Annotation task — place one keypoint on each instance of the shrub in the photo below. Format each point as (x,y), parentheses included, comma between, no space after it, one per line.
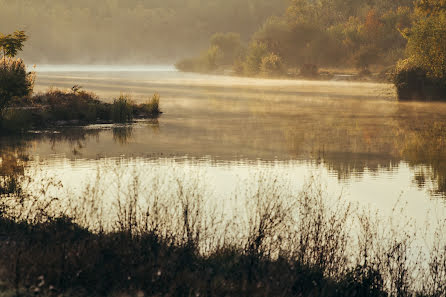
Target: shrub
(15,81)
(413,83)
(213,58)
(229,44)
(256,52)
(122,109)
(58,105)
(272,65)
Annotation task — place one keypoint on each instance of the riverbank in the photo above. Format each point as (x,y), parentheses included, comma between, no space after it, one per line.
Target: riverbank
(378,74)
(59,258)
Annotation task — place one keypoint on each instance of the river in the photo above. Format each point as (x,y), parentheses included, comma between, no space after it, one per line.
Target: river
(354,138)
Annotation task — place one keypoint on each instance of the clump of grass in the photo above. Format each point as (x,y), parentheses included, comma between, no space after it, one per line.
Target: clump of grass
(122,109)
(152,107)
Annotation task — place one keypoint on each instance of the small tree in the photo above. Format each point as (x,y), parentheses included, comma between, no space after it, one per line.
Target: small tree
(15,81)
(11,44)
(427,38)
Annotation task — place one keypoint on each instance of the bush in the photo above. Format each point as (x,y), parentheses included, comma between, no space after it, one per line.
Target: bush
(15,81)
(413,83)
(122,109)
(58,105)
(256,52)
(229,44)
(272,65)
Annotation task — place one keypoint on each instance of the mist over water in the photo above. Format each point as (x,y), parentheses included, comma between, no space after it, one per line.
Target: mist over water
(354,137)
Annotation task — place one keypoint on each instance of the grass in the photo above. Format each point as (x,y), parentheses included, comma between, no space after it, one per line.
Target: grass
(75,107)
(172,243)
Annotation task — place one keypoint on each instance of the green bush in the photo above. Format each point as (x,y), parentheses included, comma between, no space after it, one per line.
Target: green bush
(256,52)
(122,109)
(15,81)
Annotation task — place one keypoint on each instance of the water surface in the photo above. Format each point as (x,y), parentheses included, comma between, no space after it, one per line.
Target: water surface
(354,137)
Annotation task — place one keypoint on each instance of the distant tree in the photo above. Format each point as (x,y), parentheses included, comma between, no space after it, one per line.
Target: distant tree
(427,37)
(423,74)
(256,52)
(229,44)
(11,44)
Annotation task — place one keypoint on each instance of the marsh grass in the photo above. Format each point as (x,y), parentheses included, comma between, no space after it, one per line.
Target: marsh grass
(122,109)
(167,237)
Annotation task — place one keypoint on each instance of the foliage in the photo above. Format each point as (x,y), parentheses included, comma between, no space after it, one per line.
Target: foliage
(298,245)
(15,81)
(212,58)
(413,82)
(422,75)
(272,65)
(256,52)
(72,107)
(329,33)
(11,44)
(427,39)
(229,45)
(68,106)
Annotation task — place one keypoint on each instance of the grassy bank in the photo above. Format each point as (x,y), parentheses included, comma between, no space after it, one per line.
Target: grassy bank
(60,257)
(75,107)
(170,243)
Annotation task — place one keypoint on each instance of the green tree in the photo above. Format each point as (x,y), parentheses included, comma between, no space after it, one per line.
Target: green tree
(15,81)
(423,74)
(11,44)
(427,38)
(256,52)
(229,45)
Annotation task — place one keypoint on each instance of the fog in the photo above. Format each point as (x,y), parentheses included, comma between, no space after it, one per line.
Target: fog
(128,31)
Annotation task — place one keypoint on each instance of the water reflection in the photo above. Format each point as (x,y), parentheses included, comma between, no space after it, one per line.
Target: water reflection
(122,134)
(351,129)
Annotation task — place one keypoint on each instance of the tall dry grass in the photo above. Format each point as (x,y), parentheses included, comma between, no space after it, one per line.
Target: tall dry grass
(168,236)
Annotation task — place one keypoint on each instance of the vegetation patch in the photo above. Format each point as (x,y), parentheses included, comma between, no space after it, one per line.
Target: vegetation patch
(422,76)
(75,107)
